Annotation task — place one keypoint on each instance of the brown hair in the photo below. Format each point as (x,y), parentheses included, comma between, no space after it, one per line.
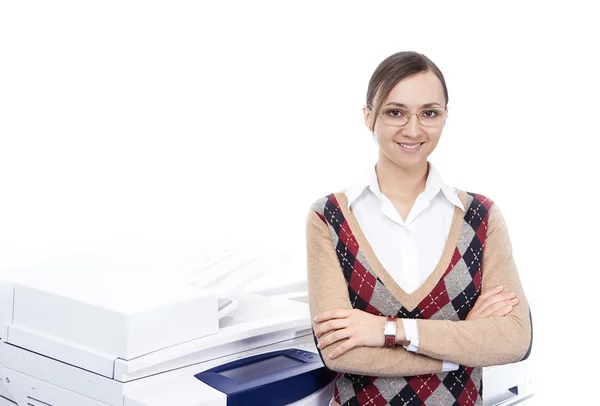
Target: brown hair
(392,70)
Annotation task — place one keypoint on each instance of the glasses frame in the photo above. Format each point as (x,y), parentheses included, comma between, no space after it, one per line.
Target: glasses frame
(410,114)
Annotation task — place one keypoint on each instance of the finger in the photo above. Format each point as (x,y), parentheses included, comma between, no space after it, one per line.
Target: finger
(482,298)
(503,311)
(332,314)
(334,324)
(497,298)
(333,337)
(492,292)
(488,311)
(499,305)
(342,348)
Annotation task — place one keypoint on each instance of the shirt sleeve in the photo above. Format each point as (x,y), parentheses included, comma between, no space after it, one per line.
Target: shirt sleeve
(412,334)
(327,290)
(490,341)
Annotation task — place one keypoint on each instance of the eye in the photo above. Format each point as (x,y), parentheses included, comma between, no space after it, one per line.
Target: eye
(430,113)
(395,113)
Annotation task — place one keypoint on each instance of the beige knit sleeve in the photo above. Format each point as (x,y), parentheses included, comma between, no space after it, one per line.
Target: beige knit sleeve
(327,290)
(491,341)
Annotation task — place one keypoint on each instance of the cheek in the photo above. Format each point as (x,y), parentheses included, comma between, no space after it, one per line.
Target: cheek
(384,139)
(385,133)
(434,136)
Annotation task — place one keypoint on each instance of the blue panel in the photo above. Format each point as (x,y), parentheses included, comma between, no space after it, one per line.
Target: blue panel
(271,379)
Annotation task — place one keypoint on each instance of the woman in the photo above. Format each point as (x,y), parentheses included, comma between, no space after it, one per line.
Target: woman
(412,283)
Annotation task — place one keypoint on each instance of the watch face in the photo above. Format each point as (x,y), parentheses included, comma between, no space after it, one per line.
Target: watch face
(390,328)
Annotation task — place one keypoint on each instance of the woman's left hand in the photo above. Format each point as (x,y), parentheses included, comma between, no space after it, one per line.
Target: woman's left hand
(362,329)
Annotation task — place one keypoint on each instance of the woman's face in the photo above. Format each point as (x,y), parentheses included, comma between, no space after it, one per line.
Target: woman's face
(415,94)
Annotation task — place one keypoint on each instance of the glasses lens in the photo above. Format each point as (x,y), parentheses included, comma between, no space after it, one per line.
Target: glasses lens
(399,117)
(431,117)
(394,116)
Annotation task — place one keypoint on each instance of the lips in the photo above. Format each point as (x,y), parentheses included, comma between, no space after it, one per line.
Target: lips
(410,147)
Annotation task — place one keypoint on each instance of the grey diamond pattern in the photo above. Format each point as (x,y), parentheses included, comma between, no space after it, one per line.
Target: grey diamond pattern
(457,279)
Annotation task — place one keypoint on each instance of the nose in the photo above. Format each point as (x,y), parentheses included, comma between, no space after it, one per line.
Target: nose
(411,129)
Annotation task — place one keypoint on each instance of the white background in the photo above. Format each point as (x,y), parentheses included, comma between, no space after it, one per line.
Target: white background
(148,128)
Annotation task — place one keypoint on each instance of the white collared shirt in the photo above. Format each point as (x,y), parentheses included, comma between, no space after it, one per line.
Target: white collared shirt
(408,250)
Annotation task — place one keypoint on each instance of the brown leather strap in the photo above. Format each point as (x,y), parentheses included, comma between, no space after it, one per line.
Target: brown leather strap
(390,341)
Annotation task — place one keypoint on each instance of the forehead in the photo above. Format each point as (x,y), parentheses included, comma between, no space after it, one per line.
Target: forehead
(417,90)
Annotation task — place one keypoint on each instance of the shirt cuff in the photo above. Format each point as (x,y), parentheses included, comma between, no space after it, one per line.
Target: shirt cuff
(412,334)
(449,366)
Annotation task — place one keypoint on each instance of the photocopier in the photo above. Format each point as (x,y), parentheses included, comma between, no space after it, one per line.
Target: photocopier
(99,331)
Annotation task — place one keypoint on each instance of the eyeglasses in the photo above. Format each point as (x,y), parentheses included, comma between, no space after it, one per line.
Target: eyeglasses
(398,117)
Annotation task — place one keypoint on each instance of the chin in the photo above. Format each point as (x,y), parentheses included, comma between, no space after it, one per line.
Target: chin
(410,165)
(403,161)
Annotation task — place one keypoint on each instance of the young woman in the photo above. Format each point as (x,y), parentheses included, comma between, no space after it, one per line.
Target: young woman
(412,283)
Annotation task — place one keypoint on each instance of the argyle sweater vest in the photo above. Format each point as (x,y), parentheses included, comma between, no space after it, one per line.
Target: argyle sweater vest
(451,299)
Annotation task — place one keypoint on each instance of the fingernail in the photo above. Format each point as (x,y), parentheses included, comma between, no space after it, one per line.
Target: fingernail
(512,294)
(499,288)
(509,308)
(331,356)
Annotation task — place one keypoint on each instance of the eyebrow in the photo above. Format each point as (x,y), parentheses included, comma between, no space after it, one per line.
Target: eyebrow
(423,106)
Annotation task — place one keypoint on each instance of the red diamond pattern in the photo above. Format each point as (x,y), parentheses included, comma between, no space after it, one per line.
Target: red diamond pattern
(436,300)
(424,385)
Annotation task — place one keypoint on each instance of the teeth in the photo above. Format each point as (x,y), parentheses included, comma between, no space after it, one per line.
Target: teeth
(409,146)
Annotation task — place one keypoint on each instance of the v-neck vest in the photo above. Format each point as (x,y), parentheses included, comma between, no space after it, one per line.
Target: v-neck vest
(448,294)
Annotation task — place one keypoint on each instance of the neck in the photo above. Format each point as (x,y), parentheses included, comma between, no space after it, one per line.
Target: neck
(398,182)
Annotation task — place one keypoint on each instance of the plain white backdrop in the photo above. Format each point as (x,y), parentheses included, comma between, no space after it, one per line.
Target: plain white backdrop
(146,128)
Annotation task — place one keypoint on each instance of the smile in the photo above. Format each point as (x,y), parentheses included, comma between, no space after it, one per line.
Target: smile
(410,148)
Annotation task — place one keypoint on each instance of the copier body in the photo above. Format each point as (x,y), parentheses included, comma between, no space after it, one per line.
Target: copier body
(116,337)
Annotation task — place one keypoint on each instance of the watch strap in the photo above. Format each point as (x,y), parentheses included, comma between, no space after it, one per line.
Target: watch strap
(390,339)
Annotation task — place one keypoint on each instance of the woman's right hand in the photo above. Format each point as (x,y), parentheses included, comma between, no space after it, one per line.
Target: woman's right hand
(493,303)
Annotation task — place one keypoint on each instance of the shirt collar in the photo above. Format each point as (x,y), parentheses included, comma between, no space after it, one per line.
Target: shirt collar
(358,187)
(433,185)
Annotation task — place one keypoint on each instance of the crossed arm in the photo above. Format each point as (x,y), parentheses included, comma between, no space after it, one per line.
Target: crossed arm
(473,342)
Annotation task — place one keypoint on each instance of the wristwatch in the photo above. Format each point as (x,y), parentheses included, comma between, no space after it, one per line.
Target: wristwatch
(389,331)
